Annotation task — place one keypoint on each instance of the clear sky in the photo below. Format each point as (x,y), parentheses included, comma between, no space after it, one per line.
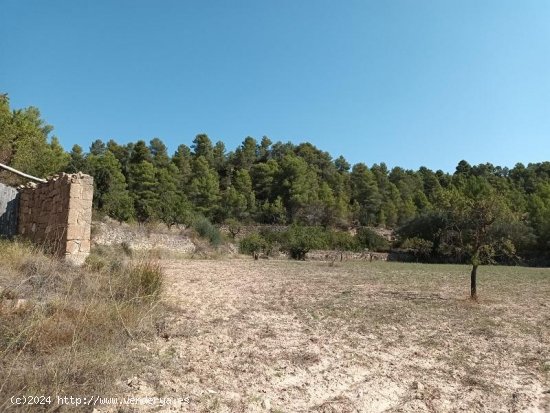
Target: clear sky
(409,83)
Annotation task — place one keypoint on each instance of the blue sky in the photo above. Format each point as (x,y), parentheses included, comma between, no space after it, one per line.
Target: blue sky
(409,83)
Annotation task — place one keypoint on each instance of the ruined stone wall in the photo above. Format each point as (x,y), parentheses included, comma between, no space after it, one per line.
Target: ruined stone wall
(9,201)
(58,215)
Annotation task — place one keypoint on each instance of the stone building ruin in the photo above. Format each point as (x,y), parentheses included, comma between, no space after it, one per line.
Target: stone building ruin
(55,215)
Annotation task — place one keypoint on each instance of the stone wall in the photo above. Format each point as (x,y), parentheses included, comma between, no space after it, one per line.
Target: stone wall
(111,232)
(329,255)
(9,201)
(58,215)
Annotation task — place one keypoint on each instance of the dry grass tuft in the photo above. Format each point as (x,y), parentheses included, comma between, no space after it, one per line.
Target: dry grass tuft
(64,329)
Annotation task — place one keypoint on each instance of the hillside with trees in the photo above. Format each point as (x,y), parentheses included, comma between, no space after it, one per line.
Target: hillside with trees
(480,213)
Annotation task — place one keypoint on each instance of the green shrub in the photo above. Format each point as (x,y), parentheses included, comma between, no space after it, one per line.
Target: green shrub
(299,240)
(342,241)
(253,244)
(207,230)
(367,238)
(420,248)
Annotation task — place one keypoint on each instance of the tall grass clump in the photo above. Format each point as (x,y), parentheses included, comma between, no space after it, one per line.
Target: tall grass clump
(64,330)
(138,281)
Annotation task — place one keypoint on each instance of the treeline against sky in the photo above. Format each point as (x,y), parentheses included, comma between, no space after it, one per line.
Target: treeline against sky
(282,183)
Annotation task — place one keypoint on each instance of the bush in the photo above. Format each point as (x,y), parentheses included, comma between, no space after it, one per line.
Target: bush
(206,230)
(342,241)
(253,244)
(427,226)
(367,238)
(299,240)
(420,248)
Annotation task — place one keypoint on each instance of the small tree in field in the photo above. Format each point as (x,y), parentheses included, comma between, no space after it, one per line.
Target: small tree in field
(299,240)
(253,244)
(234,227)
(342,241)
(477,228)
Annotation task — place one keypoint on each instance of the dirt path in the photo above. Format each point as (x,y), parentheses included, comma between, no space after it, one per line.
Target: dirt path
(281,336)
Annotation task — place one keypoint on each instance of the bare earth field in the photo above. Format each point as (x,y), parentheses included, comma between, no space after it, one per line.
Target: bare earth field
(285,336)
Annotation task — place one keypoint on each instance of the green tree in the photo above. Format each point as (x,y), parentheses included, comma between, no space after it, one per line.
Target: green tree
(142,184)
(539,216)
(253,244)
(364,191)
(140,153)
(202,146)
(111,195)
(122,153)
(172,207)
(341,164)
(97,147)
(182,159)
(239,199)
(32,150)
(299,185)
(273,212)
(77,160)
(474,219)
(246,154)
(263,149)
(342,241)
(204,189)
(159,153)
(7,130)
(299,240)
(265,180)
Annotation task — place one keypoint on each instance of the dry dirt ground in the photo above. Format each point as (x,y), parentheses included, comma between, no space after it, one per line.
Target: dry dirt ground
(284,336)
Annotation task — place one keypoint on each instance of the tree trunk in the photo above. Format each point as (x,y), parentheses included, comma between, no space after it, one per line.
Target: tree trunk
(473,283)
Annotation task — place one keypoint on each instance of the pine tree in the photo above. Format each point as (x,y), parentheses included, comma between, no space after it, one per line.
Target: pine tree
(77,161)
(111,195)
(143,185)
(239,199)
(202,146)
(182,160)
(364,192)
(204,189)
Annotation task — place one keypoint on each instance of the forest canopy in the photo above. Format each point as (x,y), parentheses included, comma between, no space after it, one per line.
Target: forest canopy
(268,182)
